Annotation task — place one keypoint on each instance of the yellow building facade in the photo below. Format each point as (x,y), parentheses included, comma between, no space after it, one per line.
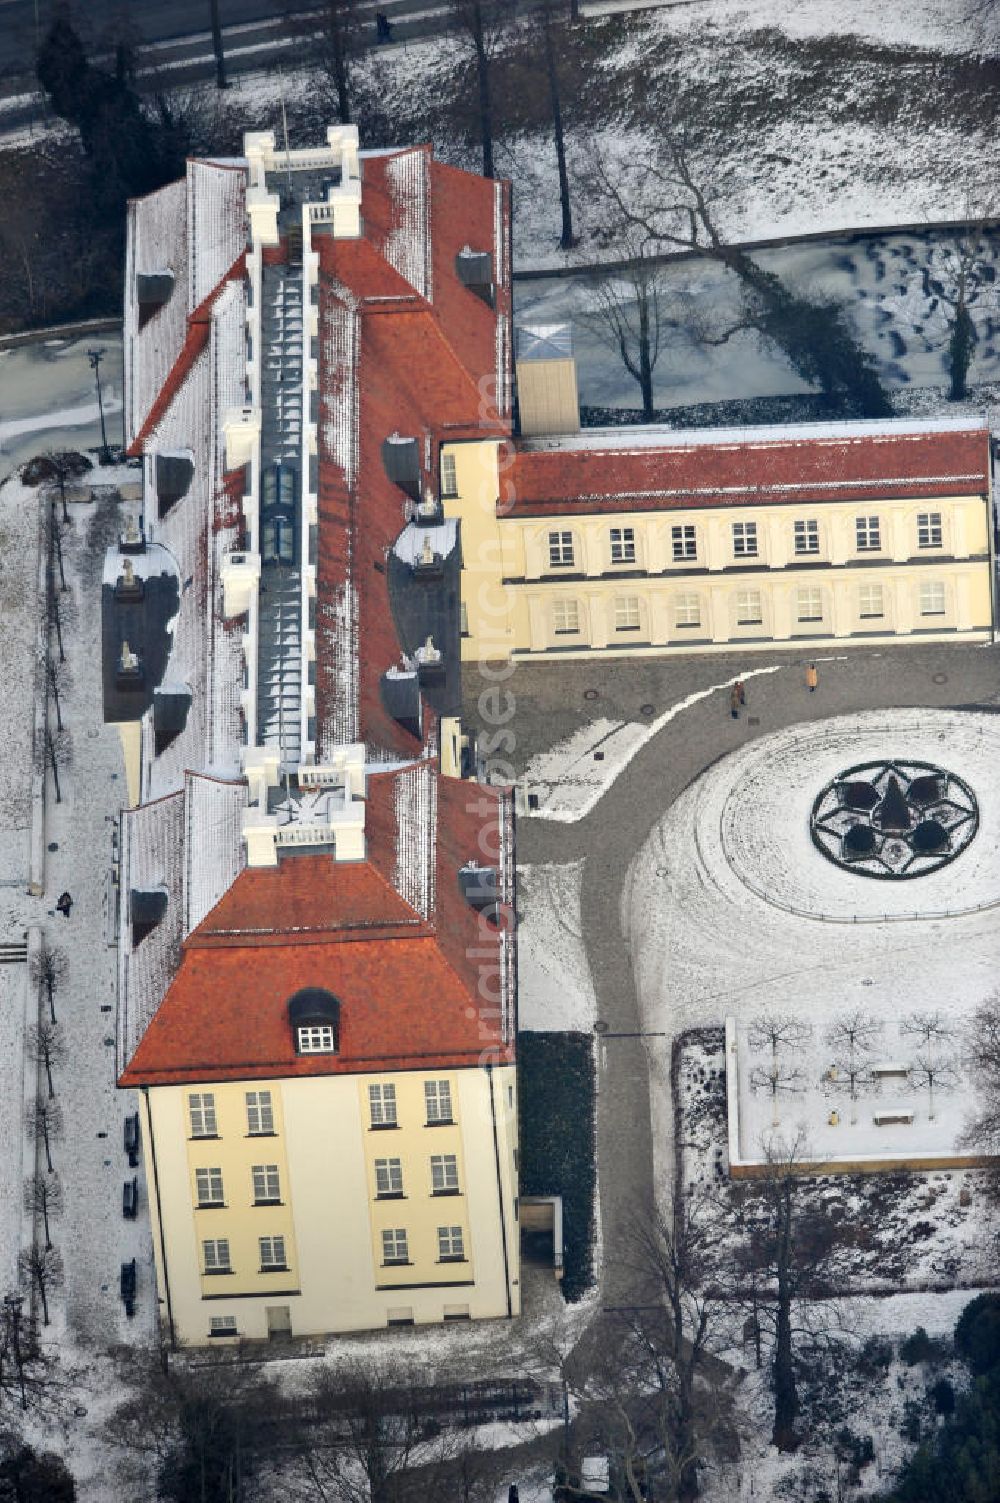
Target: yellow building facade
(335,1203)
(644,574)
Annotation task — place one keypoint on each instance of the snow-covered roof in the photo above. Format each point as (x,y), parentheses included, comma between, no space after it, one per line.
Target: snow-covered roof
(544,342)
(413,540)
(662,436)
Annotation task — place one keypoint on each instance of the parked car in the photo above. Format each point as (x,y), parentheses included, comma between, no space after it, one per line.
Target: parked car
(128,1285)
(130,1198)
(132,1139)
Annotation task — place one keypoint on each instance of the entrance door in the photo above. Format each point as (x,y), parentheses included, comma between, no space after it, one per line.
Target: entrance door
(279,1322)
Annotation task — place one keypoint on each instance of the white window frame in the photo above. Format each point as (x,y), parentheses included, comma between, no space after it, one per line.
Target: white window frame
(388,1177)
(683,542)
(565,609)
(748,601)
(222,1325)
(315,1038)
(208,1183)
(201,1114)
(562,550)
(930,532)
(260,1114)
(382,1105)
(623,545)
(437,1101)
(628,613)
(216,1260)
(395,1245)
(266,1180)
(745,540)
(272,1254)
(806,536)
(812,606)
(868,594)
(451,1244)
(867,534)
(683,605)
(933,590)
(449,476)
(444,1173)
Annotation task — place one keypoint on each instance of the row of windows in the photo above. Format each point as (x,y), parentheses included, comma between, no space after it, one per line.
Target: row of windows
(216,1257)
(745,540)
(265,1182)
(396,1245)
(687,609)
(204,1121)
(444,1175)
(437,1104)
(400,1315)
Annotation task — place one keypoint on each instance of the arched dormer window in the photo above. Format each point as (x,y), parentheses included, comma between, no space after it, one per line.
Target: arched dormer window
(314,1015)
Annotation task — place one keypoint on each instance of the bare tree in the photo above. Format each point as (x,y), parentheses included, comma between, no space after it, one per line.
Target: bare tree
(43,1197)
(46,1047)
(629,313)
(852,1038)
(566,237)
(29,1374)
(777,1031)
(789,1247)
(338,38)
(42,1267)
(55,751)
(48,969)
(481,21)
(55,546)
(668,196)
(57,681)
(221,82)
(43,1119)
(778,1080)
(982,1045)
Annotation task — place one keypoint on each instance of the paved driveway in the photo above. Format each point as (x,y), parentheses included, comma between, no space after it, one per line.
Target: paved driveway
(550,703)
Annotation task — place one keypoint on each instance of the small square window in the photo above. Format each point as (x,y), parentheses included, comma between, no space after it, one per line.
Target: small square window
(209,1183)
(809,604)
(201,1107)
(806,537)
(437,1099)
(272,1254)
(260,1113)
(627,613)
(316,1039)
(748,608)
(266,1184)
(382,1105)
(565,617)
(215,1252)
(449,479)
(444,1173)
(745,539)
(388,1176)
(560,550)
(684,542)
(623,545)
(687,610)
(868,534)
(932,598)
(929,529)
(870,602)
(451,1244)
(394,1245)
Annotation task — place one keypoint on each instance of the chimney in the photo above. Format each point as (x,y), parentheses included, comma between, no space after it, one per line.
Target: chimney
(547,397)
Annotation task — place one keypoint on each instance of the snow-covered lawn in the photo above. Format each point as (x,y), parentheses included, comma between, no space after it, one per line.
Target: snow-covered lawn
(19,554)
(48,400)
(554,987)
(701,901)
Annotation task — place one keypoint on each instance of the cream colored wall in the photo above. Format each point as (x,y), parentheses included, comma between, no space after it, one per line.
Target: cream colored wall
(716,577)
(483,492)
(331,1219)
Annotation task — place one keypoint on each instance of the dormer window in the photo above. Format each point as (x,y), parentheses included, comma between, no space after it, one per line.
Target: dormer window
(316,1040)
(314,1015)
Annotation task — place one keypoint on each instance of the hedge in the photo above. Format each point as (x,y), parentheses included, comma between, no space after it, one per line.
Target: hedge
(556,1093)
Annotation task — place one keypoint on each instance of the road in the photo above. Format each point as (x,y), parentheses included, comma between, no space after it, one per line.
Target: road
(255,32)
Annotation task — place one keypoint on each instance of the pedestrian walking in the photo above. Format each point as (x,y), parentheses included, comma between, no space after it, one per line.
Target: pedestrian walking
(741,691)
(64,903)
(812,678)
(734,701)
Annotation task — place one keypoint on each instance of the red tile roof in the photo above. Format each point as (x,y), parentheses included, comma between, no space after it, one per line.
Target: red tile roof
(422,367)
(796,469)
(415,992)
